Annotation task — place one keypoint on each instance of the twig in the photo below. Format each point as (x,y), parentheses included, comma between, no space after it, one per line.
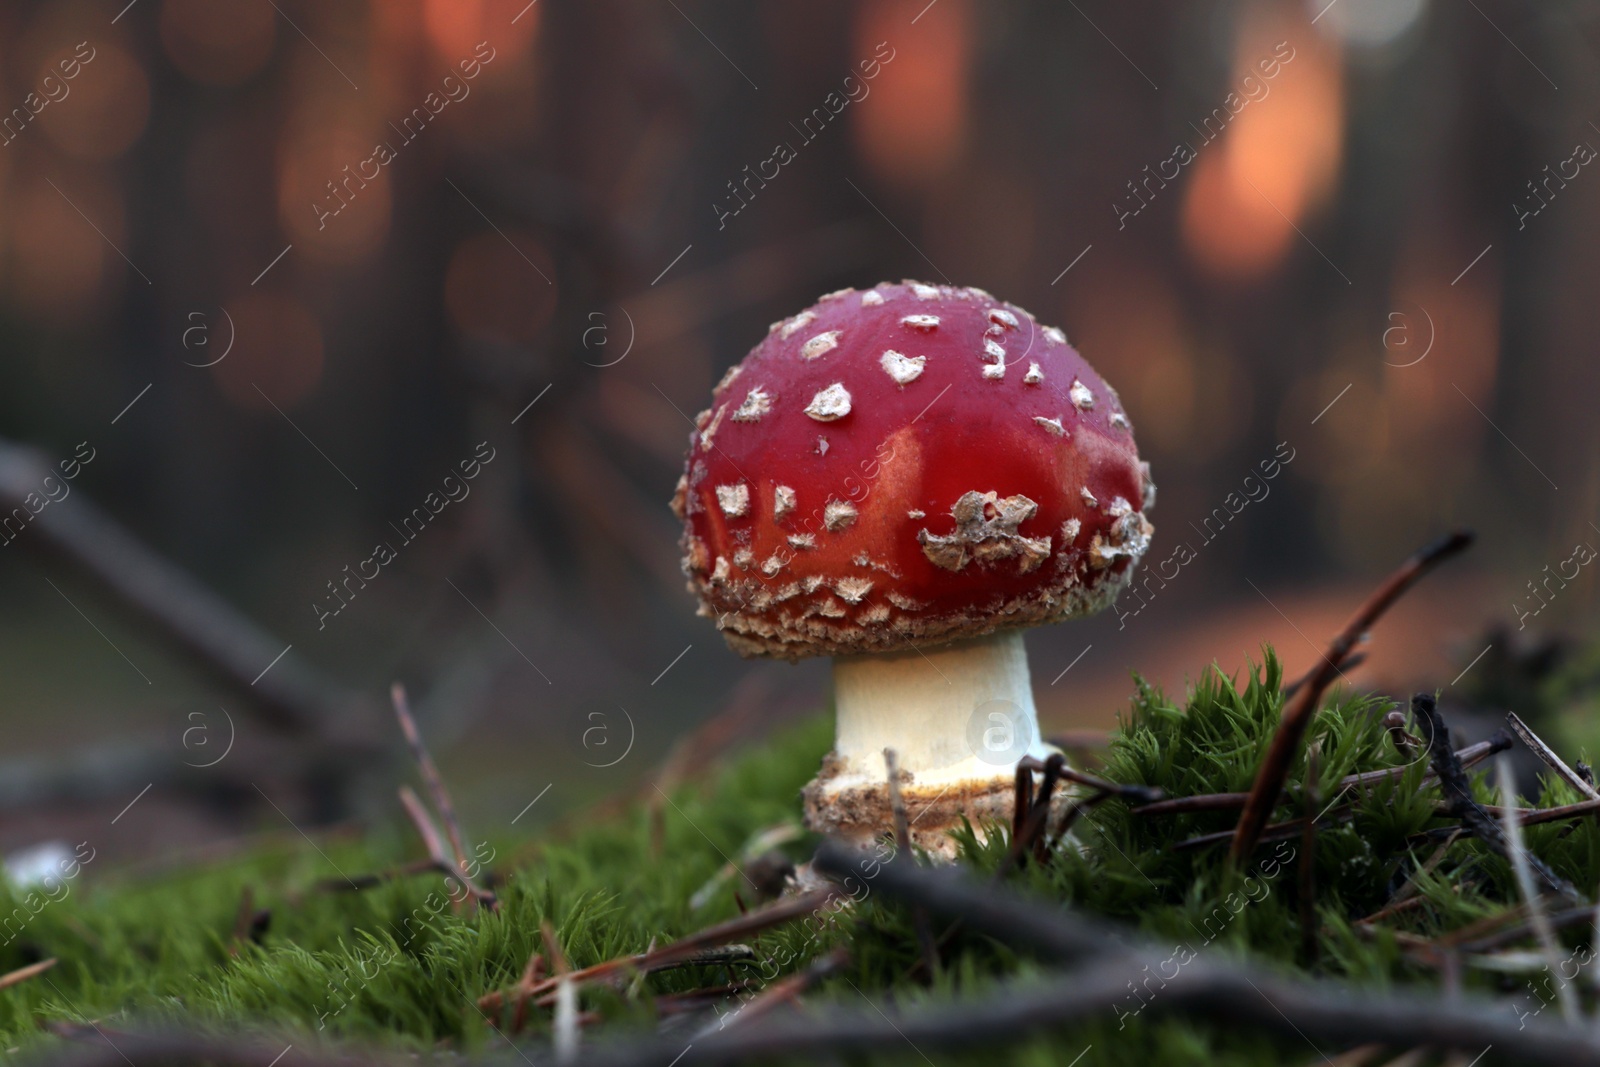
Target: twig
(1278,831)
(1191,805)
(1077,809)
(1022,799)
(541,988)
(441,798)
(357,883)
(1535,816)
(1031,824)
(1212,990)
(430,774)
(691,949)
(785,990)
(1458,792)
(1216,990)
(524,991)
(1561,920)
(692,1000)
(1408,890)
(902,831)
(424,823)
(1035,829)
(1537,916)
(22,974)
(1470,756)
(759,844)
(247,921)
(902,841)
(1548,754)
(1133,794)
(1308,858)
(1351,662)
(1039,818)
(437,859)
(1489,925)
(290,697)
(710,957)
(1302,707)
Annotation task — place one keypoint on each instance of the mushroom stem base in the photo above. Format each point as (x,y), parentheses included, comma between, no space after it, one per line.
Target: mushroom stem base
(958,717)
(860,815)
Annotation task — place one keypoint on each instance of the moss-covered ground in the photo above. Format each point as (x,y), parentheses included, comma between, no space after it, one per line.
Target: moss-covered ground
(398,965)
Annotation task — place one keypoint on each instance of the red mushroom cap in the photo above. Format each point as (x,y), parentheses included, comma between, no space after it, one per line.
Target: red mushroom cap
(908,465)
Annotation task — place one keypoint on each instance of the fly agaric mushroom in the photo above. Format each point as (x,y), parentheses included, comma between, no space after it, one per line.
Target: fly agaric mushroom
(904,478)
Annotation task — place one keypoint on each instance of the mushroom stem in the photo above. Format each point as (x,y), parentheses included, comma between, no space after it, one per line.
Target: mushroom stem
(962,712)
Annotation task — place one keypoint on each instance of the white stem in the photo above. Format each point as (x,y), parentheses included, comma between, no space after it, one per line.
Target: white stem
(962,712)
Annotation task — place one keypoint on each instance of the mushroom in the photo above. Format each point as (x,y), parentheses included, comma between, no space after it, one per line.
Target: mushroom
(955,506)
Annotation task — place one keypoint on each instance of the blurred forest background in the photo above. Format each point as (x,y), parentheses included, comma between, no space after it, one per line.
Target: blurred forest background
(1380,254)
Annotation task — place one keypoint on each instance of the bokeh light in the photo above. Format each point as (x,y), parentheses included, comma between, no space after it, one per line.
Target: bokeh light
(218,42)
(334,192)
(105,108)
(913,125)
(456,27)
(56,262)
(1277,154)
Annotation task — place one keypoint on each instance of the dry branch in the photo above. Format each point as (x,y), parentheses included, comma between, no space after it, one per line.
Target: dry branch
(688,950)
(22,974)
(430,773)
(1548,754)
(290,696)
(1458,792)
(785,990)
(1302,707)
(1470,756)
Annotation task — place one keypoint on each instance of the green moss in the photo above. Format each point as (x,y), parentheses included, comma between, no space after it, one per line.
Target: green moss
(399,965)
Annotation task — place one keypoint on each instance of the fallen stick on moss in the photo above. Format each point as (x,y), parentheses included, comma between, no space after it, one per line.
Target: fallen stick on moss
(22,974)
(1470,756)
(1334,1014)
(356,883)
(1302,707)
(784,991)
(464,868)
(1133,794)
(1031,817)
(1551,759)
(1407,896)
(1218,990)
(291,697)
(1535,816)
(436,858)
(1467,758)
(1326,1012)
(1278,831)
(685,951)
(1351,662)
(1559,920)
(1308,858)
(1522,866)
(1457,790)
